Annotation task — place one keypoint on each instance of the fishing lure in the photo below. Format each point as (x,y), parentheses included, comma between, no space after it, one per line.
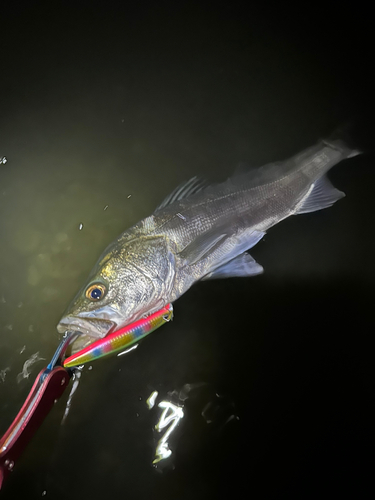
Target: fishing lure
(124,337)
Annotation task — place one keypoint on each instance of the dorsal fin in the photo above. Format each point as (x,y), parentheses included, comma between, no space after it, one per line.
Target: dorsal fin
(192,186)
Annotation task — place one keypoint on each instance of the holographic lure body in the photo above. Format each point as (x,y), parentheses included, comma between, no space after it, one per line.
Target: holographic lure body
(122,338)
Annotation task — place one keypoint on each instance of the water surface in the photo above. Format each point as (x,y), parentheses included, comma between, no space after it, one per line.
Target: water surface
(103,112)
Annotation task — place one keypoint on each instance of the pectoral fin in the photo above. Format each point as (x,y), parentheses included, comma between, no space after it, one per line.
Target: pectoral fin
(230,244)
(242,266)
(202,246)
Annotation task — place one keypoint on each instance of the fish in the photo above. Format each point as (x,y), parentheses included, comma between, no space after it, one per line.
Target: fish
(118,340)
(200,231)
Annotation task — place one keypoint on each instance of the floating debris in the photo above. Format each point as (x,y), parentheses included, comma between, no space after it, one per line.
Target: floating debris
(105,208)
(3,160)
(31,328)
(34,358)
(23,348)
(129,196)
(3,373)
(80,227)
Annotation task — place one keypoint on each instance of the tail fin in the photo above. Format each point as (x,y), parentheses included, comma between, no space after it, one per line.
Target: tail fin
(343,139)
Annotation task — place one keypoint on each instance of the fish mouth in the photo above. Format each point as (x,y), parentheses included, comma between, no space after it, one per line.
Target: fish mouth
(93,327)
(90,329)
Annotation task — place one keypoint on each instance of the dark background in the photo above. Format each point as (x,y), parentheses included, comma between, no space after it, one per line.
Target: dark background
(101,100)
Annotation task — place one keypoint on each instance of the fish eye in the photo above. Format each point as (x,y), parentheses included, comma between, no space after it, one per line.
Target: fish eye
(95,292)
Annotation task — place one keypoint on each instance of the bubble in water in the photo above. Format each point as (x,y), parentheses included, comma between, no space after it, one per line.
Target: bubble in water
(9,464)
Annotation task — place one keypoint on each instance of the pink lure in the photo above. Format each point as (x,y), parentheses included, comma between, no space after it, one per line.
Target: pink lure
(124,337)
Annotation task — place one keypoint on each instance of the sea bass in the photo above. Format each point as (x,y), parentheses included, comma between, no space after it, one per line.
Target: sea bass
(199,232)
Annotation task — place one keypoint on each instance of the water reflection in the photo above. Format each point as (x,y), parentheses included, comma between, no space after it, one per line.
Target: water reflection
(150,401)
(78,142)
(76,380)
(127,350)
(199,405)
(171,414)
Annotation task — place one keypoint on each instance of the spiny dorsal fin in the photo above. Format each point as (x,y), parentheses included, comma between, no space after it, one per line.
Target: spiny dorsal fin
(192,186)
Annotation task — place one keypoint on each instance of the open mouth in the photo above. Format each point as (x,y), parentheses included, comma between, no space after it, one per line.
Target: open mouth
(88,326)
(91,329)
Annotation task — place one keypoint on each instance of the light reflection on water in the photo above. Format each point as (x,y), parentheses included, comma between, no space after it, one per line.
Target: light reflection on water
(207,406)
(77,373)
(170,416)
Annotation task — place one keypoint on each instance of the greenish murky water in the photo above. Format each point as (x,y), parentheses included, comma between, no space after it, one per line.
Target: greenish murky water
(266,382)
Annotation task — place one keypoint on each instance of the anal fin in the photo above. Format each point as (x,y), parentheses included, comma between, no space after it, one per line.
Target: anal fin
(321,195)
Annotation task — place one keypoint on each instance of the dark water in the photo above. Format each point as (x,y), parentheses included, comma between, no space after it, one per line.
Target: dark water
(102,102)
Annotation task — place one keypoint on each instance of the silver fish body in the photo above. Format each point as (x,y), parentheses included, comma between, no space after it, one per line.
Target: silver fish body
(201,233)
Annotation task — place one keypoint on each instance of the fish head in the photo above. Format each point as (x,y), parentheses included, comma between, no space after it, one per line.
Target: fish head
(127,284)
